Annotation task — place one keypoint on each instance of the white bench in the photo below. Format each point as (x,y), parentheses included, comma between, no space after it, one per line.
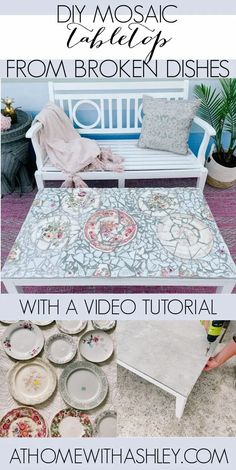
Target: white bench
(118,114)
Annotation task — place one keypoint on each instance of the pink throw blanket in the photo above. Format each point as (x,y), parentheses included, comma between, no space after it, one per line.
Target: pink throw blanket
(68,151)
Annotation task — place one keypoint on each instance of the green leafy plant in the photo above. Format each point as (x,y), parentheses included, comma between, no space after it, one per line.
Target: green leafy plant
(219,110)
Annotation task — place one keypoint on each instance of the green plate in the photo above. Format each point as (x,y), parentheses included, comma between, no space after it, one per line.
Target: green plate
(83,385)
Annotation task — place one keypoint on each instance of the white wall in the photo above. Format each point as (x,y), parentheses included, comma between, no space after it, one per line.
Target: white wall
(32,95)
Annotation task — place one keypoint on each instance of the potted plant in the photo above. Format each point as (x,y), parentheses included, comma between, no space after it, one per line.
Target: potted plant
(218,108)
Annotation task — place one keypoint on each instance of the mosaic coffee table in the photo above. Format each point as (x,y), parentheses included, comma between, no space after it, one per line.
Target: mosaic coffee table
(169,354)
(119,237)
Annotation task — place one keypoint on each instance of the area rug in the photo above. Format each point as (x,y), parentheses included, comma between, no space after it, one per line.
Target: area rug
(221,202)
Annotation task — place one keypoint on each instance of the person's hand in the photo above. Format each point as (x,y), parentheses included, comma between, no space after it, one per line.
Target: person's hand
(206,324)
(211,364)
(226,353)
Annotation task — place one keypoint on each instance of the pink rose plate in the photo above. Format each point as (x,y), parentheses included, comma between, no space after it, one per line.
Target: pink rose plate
(23,422)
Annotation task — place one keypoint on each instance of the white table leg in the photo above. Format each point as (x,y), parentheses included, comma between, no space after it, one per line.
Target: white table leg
(202,179)
(179,406)
(11,287)
(121,182)
(226,289)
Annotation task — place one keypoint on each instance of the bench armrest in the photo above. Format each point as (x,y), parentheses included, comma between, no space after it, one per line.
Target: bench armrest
(34,129)
(205,126)
(33,134)
(209,132)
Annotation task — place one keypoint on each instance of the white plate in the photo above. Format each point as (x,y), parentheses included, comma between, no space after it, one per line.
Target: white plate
(105,424)
(22,340)
(71,327)
(8,322)
(32,382)
(83,385)
(96,346)
(71,423)
(44,322)
(104,325)
(60,348)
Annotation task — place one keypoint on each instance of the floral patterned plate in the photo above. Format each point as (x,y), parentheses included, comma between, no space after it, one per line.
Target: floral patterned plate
(108,229)
(23,340)
(104,325)
(71,423)
(23,422)
(32,382)
(71,327)
(157,202)
(105,424)
(80,200)
(53,233)
(96,346)
(60,348)
(83,385)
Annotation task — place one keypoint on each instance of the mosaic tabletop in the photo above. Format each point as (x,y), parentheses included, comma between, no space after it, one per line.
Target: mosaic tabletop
(144,232)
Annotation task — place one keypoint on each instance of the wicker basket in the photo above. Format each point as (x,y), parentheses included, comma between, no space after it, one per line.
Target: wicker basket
(220,176)
(219,184)
(18,130)
(15,159)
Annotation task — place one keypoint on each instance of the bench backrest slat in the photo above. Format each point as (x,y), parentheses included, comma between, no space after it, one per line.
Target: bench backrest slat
(113,107)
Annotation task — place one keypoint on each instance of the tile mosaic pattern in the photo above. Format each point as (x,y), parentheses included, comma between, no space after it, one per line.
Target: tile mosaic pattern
(111,232)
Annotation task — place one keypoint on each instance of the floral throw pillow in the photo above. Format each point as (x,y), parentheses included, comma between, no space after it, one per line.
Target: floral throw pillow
(166,124)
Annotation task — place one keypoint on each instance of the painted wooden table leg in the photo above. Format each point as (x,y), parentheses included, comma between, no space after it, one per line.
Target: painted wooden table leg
(11,287)
(202,179)
(226,289)
(121,182)
(179,406)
